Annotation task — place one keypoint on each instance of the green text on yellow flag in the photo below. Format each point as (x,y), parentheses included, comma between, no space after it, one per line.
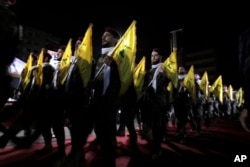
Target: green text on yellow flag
(170,66)
(65,62)
(204,85)
(124,55)
(26,72)
(139,74)
(85,55)
(217,89)
(189,83)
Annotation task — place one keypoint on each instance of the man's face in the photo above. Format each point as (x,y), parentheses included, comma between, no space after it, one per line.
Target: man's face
(155,58)
(181,70)
(108,40)
(77,44)
(59,53)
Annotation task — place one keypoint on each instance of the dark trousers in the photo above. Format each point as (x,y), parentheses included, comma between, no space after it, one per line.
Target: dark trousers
(105,109)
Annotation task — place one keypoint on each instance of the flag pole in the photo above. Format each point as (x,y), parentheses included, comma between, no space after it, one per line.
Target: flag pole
(100,70)
(174,31)
(174,45)
(174,39)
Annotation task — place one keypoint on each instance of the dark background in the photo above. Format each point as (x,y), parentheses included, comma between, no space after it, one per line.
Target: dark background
(205,26)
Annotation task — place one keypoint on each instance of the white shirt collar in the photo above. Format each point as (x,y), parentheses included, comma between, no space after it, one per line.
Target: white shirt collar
(107,51)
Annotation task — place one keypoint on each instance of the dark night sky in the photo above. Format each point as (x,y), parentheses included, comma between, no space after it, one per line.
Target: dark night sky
(203,27)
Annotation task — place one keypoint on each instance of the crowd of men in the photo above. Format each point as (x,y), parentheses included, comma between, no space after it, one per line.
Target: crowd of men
(63,100)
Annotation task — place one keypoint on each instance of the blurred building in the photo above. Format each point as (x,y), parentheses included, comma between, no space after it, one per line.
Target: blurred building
(33,40)
(205,60)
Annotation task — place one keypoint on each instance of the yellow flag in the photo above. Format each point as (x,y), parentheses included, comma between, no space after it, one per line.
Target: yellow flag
(230,92)
(124,55)
(26,72)
(65,62)
(39,69)
(139,74)
(170,66)
(217,89)
(204,85)
(189,83)
(85,55)
(239,97)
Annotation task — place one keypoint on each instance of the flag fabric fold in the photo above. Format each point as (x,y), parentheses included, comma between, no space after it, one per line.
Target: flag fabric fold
(204,83)
(170,66)
(124,54)
(239,97)
(217,89)
(65,62)
(85,55)
(189,83)
(139,74)
(39,69)
(26,73)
